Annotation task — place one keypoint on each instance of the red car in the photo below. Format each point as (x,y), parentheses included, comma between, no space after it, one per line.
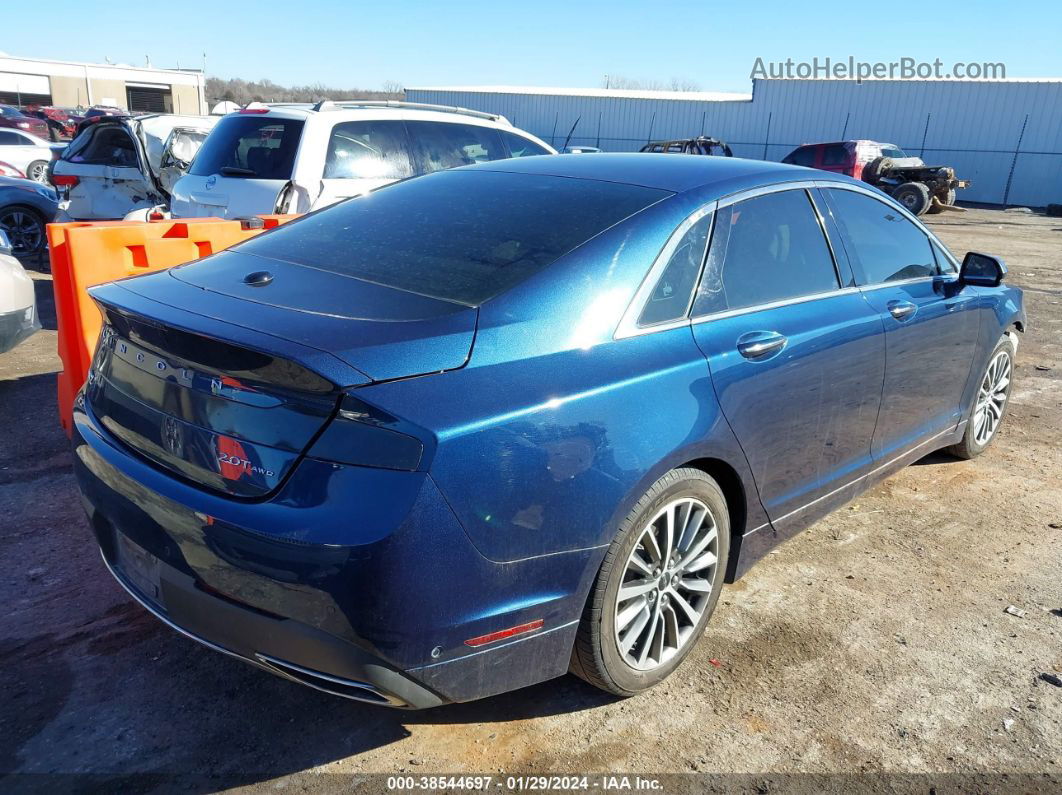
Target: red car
(918,187)
(11,116)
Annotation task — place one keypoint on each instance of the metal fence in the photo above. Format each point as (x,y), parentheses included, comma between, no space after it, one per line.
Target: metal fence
(1004,136)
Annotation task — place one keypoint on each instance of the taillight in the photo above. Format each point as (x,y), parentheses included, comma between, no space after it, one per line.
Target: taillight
(364,435)
(64,180)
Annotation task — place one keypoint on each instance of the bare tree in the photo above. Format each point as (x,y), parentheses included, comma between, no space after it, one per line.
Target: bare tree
(243,91)
(676,84)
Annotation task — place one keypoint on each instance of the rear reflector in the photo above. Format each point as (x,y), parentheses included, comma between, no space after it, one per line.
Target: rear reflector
(483,640)
(64,180)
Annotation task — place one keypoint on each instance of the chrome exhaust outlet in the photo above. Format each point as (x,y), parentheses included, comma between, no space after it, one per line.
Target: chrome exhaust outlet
(333,685)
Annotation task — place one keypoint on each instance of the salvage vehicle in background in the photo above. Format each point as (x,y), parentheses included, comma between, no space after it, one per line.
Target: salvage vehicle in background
(28,153)
(293,158)
(119,164)
(462,433)
(18,299)
(12,117)
(918,187)
(701,145)
(26,207)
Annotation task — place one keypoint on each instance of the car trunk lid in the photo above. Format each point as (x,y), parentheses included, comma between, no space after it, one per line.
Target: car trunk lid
(212,396)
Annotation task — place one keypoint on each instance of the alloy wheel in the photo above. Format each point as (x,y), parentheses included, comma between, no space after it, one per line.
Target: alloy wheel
(992,398)
(23,229)
(38,173)
(667,584)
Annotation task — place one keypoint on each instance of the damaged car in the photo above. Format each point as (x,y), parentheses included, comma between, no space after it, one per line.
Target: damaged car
(919,188)
(121,165)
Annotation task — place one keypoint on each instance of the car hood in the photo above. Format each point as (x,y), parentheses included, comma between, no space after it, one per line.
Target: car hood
(380,332)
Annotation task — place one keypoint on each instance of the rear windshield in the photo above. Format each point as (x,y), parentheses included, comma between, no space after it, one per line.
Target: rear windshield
(103,145)
(255,147)
(462,236)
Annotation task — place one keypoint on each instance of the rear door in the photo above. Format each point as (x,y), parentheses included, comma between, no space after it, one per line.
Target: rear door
(797,356)
(930,326)
(111,176)
(363,155)
(240,169)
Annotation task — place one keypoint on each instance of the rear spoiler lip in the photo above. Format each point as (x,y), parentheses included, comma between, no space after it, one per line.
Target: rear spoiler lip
(121,298)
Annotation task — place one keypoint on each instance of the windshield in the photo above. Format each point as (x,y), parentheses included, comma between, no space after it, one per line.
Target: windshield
(255,147)
(462,236)
(890,150)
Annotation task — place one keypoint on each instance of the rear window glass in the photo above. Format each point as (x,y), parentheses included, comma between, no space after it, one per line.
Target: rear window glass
(103,145)
(368,150)
(459,236)
(439,145)
(256,147)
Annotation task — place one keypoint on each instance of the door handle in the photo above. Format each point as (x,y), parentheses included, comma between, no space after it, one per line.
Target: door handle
(901,310)
(758,344)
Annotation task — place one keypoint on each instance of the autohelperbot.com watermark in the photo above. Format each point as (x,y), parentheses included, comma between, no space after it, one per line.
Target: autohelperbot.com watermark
(851,69)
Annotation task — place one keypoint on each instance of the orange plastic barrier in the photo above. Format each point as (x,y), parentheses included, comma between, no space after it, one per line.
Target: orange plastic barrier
(85,254)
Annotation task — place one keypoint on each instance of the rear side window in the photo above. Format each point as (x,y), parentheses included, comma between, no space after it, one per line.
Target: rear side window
(804,156)
(439,145)
(883,244)
(368,150)
(103,145)
(834,155)
(462,236)
(256,147)
(9,139)
(765,249)
(520,146)
(670,299)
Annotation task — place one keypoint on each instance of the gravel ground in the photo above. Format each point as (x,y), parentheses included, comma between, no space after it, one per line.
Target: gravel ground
(875,643)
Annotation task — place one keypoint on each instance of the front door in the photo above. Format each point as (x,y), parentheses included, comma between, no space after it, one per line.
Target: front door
(930,325)
(797,360)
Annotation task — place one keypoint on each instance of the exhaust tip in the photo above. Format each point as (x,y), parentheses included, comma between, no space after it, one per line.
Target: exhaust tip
(333,685)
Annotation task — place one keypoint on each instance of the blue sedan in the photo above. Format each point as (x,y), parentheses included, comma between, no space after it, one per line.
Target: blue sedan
(478,429)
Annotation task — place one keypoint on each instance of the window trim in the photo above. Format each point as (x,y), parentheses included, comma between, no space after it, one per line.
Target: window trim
(892,204)
(628,325)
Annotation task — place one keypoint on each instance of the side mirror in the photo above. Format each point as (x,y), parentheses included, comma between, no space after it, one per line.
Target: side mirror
(5,244)
(982,270)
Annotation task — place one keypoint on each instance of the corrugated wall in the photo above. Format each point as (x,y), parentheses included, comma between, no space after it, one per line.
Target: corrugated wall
(1005,136)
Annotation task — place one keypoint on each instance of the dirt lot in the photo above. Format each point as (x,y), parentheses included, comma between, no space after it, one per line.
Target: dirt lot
(874,643)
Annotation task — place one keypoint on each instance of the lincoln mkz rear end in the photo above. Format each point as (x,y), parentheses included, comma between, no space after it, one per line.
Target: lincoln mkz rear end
(378,450)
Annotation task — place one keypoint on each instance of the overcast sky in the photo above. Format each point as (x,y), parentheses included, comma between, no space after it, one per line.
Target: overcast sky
(544,43)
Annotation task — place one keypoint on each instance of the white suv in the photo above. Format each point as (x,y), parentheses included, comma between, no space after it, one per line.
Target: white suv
(293,158)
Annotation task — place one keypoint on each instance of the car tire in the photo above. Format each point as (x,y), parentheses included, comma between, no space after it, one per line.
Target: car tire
(990,401)
(941,202)
(914,196)
(25,228)
(38,171)
(665,631)
(876,169)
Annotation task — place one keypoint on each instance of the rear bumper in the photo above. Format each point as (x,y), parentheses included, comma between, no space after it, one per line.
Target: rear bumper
(17,326)
(382,618)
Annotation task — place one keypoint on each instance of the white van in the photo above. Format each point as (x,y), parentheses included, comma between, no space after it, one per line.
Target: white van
(121,164)
(293,158)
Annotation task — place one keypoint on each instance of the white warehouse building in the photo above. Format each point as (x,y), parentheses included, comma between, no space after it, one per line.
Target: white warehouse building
(1003,135)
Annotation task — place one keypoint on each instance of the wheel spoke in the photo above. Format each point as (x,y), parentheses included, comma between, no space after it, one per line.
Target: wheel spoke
(703,562)
(650,634)
(698,547)
(671,625)
(685,607)
(638,564)
(640,619)
(635,588)
(695,584)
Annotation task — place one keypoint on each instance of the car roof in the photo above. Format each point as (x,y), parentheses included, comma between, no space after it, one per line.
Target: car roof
(372,109)
(661,171)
